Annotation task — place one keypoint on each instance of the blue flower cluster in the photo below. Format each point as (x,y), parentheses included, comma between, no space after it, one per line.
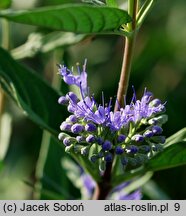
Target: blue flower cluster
(133,133)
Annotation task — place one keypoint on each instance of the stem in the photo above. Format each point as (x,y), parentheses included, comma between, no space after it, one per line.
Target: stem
(104,186)
(45,144)
(143,12)
(5,45)
(128,54)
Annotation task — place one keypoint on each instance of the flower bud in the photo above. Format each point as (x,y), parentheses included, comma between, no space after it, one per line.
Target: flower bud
(148,133)
(77,148)
(156,129)
(141,159)
(90,127)
(67,141)
(121,138)
(132,161)
(132,149)
(73,97)
(158,139)
(107,145)
(155,103)
(90,138)
(63,100)
(80,139)
(157,148)
(108,157)
(70,108)
(72,118)
(144,149)
(77,128)
(94,158)
(124,160)
(159,120)
(100,140)
(62,136)
(119,150)
(137,138)
(68,149)
(101,154)
(65,126)
(85,150)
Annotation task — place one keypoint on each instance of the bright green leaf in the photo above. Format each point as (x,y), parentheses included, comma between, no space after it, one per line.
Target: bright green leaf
(111,3)
(177,137)
(5,4)
(172,156)
(37,99)
(72,18)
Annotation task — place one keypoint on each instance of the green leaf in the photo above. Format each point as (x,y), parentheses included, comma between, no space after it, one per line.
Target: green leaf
(177,137)
(139,182)
(5,4)
(72,18)
(172,156)
(153,191)
(111,3)
(31,93)
(128,176)
(1,165)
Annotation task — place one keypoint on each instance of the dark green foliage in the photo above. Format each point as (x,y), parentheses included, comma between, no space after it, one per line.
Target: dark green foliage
(73,18)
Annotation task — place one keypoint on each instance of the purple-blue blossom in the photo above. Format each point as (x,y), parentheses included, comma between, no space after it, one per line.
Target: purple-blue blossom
(132,133)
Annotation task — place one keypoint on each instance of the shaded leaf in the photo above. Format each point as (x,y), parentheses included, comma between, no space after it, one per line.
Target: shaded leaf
(45,43)
(31,93)
(154,191)
(136,184)
(127,176)
(172,156)
(47,193)
(72,18)
(177,137)
(87,165)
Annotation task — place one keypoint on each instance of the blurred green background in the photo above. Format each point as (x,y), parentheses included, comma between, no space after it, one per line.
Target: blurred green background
(159,64)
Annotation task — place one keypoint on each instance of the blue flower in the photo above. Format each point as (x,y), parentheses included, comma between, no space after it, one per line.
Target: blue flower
(79,80)
(123,132)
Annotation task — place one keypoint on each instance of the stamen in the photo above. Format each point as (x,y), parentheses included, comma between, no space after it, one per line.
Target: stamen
(81,90)
(125,102)
(118,104)
(134,95)
(94,101)
(78,68)
(84,66)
